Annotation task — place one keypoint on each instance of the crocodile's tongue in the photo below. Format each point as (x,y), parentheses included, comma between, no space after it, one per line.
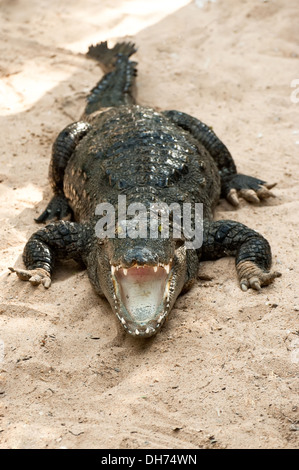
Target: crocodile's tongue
(142,289)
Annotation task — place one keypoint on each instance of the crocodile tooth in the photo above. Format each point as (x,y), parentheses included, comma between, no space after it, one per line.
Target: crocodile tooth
(112,269)
(123,320)
(125,271)
(147,330)
(155,269)
(167,268)
(137,332)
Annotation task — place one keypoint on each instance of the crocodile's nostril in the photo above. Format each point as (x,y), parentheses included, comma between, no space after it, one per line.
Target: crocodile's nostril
(140,255)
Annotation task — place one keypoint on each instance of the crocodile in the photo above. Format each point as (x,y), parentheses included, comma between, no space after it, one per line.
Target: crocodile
(120,149)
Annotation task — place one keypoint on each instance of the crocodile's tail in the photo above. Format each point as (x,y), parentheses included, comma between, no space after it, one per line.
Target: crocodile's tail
(117,87)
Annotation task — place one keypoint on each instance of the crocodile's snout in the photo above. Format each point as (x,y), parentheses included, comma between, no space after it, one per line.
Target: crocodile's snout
(141,296)
(140,256)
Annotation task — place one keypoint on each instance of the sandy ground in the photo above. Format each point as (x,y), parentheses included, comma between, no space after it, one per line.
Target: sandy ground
(223,372)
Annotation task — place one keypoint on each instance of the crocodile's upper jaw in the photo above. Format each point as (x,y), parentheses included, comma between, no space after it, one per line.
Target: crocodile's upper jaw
(142,296)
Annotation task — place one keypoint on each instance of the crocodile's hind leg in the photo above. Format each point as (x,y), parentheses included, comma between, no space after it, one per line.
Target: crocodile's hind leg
(233,184)
(63,149)
(251,250)
(117,87)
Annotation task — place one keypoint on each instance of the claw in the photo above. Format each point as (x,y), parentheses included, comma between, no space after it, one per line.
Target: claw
(232,197)
(252,276)
(264,193)
(35,276)
(250,195)
(269,277)
(57,208)
(244,285)
(46,283)
(270,185)
(255,283)
(250,188)
(43,216)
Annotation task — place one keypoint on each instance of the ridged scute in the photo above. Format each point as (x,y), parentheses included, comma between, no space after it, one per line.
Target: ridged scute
(139,152)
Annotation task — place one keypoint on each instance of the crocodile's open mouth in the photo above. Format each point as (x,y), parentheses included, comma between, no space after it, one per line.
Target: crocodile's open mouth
(142,297)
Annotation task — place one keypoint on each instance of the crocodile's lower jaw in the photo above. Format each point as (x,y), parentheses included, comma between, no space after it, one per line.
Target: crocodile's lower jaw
(141,297)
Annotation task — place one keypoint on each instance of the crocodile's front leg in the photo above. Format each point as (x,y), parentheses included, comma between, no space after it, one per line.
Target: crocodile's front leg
(62,150)
(233,184)
(252,251)
(59,240)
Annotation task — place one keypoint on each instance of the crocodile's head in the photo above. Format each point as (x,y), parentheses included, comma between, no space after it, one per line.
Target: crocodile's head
(142,279)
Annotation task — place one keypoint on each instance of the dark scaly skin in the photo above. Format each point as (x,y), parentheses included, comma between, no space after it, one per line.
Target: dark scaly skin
(64,240)
(137,151)
(117,87)
(63,149)
(120,148)
(205,135)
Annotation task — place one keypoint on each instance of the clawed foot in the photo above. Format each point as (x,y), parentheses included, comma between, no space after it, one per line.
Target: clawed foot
(249,188)
(252,276)
(57,208)
(34,276)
